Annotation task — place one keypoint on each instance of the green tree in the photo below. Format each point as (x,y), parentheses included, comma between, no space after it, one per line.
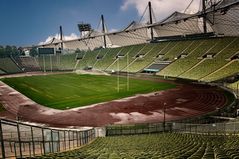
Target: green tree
(33,52)
(21,51)
(8,50)
(77,50)
(2,50)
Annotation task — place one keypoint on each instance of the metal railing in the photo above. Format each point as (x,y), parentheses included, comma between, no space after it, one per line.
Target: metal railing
(213,128)
(20,140)
(137,129)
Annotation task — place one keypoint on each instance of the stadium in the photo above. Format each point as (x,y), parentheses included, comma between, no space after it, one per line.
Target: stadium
(155,89)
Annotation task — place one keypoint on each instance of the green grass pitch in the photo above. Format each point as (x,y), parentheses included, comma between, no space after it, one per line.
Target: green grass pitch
(64,91)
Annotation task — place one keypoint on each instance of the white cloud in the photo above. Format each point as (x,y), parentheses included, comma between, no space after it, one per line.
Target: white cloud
(48,39)
(161,8)
(113,30)
(57,37)
(71,36)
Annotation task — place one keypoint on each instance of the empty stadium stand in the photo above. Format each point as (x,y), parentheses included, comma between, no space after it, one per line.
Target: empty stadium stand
(108,58)
(9,66)
(66,62)
(202,47)
(234,86)
(28,63)
(2,72)
(57,62)
(208,65)
(88,60)
(204,59)
(196,67)
(157,146)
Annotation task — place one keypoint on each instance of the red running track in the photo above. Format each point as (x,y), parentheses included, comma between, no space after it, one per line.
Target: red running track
(182,102)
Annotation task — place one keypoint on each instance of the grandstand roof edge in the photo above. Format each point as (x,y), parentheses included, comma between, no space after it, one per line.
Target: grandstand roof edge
(141,27)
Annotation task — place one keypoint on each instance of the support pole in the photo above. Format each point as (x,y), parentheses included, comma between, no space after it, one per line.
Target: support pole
(69,139)
(43,141)
(151,20)
(33,143)
(61,34)
(118,79)
(52,142)
(44,64)
(51,62)
(19,139)
(127,72)
(64,140)
(164,117)
(2,140)
(204,16)
(103,29)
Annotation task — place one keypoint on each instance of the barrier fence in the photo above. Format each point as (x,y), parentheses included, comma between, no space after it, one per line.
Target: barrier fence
(20,140)
(137,129)
(214,128)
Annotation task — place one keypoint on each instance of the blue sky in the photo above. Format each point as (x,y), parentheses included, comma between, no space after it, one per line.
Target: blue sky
(27,22)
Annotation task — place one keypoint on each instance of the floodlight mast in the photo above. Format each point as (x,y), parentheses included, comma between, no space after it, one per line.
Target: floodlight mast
(61,34)
(151,20)
(204,16)
(103,29)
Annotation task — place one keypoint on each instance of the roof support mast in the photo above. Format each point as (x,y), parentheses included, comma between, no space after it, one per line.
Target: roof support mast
(61,34)
(103,29)
(151,20)
(204,16)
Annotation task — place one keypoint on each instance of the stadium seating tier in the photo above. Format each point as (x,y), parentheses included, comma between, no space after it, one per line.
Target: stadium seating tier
(207,60)
(157,146)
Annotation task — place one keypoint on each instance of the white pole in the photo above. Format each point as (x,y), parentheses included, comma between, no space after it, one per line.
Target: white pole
(51,62)
(127,72)
(58,60)
(44,65)
(118,75)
